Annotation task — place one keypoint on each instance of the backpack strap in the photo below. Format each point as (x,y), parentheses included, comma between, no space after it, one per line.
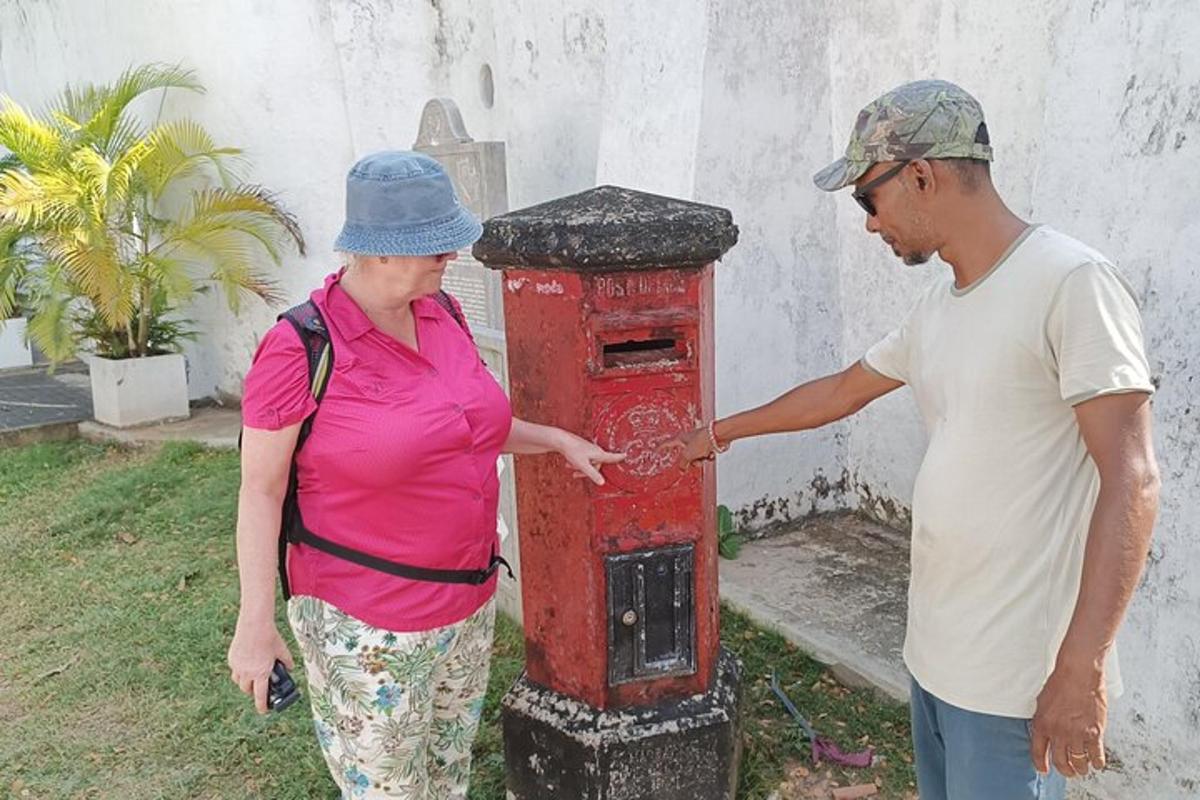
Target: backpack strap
(445,301)
(309,325)
(474,577)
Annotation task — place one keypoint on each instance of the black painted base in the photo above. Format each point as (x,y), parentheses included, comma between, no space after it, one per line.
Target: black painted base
(557,748)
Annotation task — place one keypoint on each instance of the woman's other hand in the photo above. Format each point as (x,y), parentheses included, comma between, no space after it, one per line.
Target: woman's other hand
(252,656)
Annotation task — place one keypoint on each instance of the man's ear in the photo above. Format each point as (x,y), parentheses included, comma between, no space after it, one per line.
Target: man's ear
(923,175)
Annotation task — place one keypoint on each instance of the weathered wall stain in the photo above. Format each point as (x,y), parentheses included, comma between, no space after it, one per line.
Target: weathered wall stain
(770,515)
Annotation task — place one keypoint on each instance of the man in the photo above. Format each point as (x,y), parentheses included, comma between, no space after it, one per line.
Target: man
(1034,503)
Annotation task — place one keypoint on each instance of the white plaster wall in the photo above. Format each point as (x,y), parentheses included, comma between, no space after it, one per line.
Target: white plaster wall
(1094,109)
(778,318)
(654,152)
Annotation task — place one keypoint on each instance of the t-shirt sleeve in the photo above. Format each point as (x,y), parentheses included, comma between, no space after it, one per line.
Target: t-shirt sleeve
(276,391)
(1095,334)
(889,356)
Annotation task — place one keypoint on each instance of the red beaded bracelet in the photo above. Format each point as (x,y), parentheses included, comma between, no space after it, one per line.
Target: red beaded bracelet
(712,439)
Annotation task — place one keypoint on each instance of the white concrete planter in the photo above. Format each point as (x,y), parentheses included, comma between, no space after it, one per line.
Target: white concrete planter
(14,350)
(136,391)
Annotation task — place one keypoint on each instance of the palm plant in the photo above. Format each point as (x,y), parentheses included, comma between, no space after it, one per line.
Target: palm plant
(12,271)
(112,226)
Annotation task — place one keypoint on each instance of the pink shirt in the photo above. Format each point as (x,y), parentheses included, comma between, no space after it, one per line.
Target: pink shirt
(400,463)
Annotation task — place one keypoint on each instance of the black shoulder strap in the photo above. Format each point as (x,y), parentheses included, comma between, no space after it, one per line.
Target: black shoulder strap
(309,325)
(443,299)
(306,319)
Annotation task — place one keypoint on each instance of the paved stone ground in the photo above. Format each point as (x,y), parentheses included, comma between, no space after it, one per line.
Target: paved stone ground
(836,585)
(30,398)
(210,426)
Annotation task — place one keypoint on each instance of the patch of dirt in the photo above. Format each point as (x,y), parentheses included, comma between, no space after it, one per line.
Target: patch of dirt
(803,783)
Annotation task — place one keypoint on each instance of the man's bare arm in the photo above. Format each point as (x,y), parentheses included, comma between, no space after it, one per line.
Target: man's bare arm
(1072,707)
(809,405)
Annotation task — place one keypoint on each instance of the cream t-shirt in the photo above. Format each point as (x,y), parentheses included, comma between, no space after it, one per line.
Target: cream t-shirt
(1005,492)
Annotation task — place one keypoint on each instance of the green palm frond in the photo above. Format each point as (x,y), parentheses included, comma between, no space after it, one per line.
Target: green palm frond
(128,131)
(227,257)
(34,142)
(169,273)
(99,110)
(50,327)
(220,229)
(13,264)
(95,267)
(249,209)
(124,169)
(49,202)
(10,236)
(63,122)
(256,200)
(21,199)
(24,201)
(181,149)
(91,171)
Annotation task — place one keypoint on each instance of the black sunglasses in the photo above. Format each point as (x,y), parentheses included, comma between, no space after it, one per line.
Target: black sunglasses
(862,195)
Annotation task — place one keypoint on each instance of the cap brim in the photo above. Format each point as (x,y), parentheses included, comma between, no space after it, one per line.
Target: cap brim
(840,174)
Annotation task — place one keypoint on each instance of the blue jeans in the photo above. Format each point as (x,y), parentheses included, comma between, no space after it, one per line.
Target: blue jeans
(964,755)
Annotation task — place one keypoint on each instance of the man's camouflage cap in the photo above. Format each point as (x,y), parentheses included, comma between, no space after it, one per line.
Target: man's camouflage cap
(924,119)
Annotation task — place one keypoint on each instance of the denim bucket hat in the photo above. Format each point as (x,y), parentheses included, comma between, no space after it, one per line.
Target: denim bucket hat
(400,203)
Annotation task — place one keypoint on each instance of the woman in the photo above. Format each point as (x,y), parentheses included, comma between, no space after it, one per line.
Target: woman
(400,463)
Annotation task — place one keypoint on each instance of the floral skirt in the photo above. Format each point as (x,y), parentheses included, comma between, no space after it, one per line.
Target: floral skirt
(395,713)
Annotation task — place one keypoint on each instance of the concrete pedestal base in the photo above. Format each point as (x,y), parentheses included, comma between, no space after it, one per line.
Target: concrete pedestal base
(557,748)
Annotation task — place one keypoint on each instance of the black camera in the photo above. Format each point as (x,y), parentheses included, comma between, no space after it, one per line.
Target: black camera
(283,690)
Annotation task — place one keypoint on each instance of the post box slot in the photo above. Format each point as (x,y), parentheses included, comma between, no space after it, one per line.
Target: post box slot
(650,618)
(636,352)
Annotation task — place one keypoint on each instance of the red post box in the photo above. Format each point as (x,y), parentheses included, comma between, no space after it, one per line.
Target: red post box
(608,299)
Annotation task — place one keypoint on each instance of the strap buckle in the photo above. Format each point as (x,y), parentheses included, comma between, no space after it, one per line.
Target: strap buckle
(496,562)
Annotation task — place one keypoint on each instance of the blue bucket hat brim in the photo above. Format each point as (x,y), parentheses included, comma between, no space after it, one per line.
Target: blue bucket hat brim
(456,232)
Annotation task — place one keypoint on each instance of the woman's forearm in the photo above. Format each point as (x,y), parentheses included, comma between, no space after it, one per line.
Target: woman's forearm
(257,554)
(528,438)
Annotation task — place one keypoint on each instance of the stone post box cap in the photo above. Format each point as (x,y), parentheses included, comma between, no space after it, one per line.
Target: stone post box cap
(608,228)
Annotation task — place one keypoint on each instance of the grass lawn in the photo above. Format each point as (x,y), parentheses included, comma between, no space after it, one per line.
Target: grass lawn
(120,596)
